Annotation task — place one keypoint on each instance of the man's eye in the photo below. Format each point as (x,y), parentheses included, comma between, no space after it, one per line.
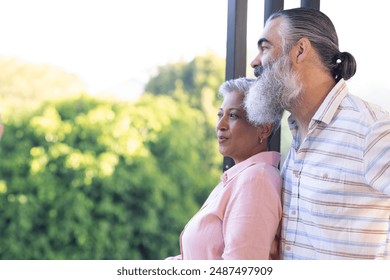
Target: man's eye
(263,48)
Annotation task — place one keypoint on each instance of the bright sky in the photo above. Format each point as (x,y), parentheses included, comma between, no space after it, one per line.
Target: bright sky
(108,43)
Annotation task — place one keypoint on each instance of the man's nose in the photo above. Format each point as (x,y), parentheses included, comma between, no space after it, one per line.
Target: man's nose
(256,61)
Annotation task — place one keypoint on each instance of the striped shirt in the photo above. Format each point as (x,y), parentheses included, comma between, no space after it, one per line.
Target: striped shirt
(336,193)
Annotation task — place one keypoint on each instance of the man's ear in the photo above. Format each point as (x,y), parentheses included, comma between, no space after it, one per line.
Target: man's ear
(302,49)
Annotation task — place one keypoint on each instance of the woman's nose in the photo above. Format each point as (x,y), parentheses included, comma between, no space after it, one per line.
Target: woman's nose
(222,123)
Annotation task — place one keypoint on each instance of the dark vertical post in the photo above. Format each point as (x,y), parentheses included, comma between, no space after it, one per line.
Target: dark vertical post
(236,47)
(236,39)
(271,6)
(315,4)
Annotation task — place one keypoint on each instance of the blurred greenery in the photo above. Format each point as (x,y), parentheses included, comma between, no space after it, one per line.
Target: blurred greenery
(25,85)
(195,82)
(87,178)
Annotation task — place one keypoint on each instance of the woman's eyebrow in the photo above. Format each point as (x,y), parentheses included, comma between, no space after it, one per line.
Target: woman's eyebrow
(232,108)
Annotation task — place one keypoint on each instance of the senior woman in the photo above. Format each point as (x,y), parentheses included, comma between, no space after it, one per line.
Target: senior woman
(240,218)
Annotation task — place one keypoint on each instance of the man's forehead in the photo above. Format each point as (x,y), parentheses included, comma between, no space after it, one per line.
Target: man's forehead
(271,30)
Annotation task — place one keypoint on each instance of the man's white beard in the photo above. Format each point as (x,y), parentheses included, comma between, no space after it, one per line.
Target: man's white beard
(276,89)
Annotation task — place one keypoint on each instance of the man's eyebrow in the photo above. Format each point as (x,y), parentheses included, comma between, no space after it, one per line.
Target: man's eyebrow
(262,40)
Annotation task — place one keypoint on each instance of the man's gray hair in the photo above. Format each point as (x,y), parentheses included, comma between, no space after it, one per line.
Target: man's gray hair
(320,31)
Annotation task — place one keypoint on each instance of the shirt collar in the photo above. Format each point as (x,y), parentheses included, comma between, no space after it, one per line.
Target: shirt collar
(270,158)
(329,106)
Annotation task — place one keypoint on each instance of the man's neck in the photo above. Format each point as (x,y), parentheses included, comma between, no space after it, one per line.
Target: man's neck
(309,102)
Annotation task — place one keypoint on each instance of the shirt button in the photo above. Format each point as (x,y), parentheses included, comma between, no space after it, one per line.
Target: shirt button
(224,178)
(288,248)
(293,212)
(296,173)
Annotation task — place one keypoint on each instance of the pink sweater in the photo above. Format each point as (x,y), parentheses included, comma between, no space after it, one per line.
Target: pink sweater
(241,217)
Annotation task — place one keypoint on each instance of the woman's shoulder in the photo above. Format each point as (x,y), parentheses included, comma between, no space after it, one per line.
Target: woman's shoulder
(260,175)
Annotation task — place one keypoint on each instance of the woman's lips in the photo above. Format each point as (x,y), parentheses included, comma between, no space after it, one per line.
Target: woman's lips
(222,139)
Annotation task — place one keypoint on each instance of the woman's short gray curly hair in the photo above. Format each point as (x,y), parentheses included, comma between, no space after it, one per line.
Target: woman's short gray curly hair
(241,85)
(271,111)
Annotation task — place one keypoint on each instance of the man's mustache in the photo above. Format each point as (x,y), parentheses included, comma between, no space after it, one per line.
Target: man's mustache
(258,71)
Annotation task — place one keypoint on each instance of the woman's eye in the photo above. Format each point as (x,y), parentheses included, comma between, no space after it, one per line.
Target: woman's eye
(219,115)
(233,116)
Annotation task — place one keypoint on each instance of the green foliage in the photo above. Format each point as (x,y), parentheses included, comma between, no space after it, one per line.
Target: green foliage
(25,85)
(83,178)
(87,179)
(199,80)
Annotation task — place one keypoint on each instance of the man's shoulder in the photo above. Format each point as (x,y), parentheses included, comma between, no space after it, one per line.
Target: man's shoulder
(363,110)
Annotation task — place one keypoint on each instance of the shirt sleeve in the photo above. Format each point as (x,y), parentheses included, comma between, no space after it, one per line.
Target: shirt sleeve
(377,156)
(252,215)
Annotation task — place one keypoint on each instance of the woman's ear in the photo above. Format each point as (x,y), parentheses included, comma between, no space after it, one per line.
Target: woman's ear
(264,131)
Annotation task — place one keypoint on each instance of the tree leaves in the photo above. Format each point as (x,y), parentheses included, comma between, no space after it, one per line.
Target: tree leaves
(89,179)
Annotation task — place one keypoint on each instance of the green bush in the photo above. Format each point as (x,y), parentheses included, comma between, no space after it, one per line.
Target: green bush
(84,178)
